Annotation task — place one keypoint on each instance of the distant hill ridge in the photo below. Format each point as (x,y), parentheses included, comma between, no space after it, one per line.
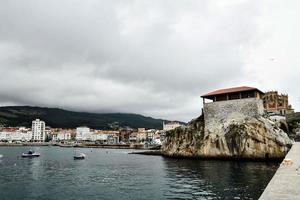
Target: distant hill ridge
(59,118)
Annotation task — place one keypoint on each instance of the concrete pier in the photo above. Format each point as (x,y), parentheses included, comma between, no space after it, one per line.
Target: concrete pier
(285,184)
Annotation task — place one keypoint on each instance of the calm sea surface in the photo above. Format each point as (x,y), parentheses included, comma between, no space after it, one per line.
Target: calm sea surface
(114,174)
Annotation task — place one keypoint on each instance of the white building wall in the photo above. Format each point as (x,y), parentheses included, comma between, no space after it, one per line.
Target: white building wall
(2,136)
(54,137)
(15,136)
(170,126)
(277,118)
(63,136)
(19,136)
(102,137)
(112,139)
(38,130)
(83,133)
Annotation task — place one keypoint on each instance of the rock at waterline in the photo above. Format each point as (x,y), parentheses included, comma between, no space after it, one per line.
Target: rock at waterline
(252,138)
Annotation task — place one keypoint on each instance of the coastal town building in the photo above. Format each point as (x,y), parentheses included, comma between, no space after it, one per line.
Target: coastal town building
(38,131)
(62,134)
(141,135)
(141,130)
(21,134)
(170,126)
(124,135)
(83,134)
(112,139)
(54,132)
(48,132)
(101,138)
(158,136)
(105,136)
(162,135)
(277,103)
(54,137)
(150,135)
(133,137)
(231,104)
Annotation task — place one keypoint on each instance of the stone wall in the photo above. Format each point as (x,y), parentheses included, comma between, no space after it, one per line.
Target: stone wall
(222,113)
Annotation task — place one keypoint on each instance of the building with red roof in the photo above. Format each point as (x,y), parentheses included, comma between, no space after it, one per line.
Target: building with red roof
(231,105)
(233,93)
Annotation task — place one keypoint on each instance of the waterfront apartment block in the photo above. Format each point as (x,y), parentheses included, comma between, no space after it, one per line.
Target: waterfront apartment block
(38,131)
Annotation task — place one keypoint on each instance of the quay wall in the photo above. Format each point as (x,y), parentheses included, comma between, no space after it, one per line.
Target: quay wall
(285,184)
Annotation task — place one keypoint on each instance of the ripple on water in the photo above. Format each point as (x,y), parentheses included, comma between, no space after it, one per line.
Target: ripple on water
(118,175)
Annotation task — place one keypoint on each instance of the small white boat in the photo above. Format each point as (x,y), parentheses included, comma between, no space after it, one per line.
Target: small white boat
(30,154)
(81,156)
(1,156)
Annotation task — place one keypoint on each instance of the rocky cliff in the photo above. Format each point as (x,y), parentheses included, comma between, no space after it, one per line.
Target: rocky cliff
(252,138)
(293,125)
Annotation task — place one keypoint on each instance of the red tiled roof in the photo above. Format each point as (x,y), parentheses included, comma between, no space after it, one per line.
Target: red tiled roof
(231,90)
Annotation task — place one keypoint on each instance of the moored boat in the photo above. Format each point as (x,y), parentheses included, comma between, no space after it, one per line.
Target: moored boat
(30,154)
(81,156)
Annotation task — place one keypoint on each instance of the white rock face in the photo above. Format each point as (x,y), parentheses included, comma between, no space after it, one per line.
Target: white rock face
(247,138)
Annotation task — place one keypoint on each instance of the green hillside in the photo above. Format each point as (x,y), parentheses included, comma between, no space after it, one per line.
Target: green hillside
(59,118)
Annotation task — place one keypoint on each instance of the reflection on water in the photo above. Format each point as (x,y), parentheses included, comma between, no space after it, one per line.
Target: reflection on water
(113,174)
(208,179)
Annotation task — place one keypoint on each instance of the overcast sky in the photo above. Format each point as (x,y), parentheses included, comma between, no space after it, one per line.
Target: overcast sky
(152,57)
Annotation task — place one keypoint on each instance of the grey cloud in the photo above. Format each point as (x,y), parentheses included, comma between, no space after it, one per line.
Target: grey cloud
(148,57)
